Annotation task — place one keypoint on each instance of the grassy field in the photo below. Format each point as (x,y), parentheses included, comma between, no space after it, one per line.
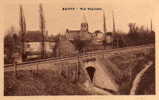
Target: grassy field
(44,83)
(124,69)
(128,67)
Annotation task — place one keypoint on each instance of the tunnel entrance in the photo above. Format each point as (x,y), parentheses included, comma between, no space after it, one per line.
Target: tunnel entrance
(91,70)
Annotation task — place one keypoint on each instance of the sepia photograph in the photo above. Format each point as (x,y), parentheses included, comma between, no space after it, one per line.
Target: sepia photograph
(79,48)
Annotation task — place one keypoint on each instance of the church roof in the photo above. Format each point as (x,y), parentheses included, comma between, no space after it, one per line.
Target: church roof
(97,31)
(109,33)
(84,19)
(33,36)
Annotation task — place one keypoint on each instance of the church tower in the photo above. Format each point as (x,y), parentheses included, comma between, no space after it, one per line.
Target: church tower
(84,24)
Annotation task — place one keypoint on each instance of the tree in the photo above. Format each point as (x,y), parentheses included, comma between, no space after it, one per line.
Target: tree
(42,28)
(8,48)
(139,35)
(22,30)
(11,44)
(132,27)
(81,45)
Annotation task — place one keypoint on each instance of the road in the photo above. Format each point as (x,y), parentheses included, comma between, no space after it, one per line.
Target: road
(138,78)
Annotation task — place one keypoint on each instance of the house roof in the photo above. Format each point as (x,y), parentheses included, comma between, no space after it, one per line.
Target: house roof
(34,36)
(73,31)
(97,31)
(109,33)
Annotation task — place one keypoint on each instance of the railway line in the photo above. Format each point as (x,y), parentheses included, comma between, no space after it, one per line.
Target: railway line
(32,65)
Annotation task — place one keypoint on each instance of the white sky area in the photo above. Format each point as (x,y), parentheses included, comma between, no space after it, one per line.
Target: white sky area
(57,20)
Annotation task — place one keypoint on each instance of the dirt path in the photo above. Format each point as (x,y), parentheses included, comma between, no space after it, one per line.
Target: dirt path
(139,78)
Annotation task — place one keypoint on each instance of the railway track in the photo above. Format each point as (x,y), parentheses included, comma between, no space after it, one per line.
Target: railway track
(31,65)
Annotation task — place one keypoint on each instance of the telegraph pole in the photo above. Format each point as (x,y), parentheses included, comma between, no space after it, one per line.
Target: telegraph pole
(147,28)
(114,28)
(151,25)
(42,29)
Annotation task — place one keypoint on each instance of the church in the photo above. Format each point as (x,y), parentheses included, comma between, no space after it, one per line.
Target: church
(82,34)
(92,41)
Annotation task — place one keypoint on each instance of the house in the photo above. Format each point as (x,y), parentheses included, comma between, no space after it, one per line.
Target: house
(98,37)
(33,44)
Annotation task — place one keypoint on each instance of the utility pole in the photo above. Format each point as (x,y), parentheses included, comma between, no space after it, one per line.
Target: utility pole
(42,29)
(15,68)
(151,25)
(114,28)
(147,28)
(77,70)
(22,31)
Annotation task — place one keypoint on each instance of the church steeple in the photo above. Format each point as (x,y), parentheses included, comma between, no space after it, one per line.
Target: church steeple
(84,24)
(104,23)
(84,20)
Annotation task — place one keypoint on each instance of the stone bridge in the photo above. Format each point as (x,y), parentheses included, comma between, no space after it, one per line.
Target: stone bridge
(92,64)
(55,62)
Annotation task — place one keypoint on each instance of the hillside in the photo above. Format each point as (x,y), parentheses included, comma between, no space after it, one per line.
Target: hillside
(123,69)
(126,67)
(43,83)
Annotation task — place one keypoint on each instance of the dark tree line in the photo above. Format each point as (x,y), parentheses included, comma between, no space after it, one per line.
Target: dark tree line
(138,35)
(14,41)
(11,44)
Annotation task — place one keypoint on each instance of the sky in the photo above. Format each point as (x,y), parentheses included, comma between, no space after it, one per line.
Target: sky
(58,20)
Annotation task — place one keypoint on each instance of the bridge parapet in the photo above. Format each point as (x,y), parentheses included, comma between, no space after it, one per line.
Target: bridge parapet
(51,63)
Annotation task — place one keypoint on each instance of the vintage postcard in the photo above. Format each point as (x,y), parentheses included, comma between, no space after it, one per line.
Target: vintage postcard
(80,48)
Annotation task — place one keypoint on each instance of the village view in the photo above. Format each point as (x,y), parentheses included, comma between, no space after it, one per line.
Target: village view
(77,62)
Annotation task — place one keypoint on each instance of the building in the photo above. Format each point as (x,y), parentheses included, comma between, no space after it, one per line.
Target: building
(109,38)
(98,37)
(82,34)
(32,44)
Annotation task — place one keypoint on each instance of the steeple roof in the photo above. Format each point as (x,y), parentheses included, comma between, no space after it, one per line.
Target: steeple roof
(84,20)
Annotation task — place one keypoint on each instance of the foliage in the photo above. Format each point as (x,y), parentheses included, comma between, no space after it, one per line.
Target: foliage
(81,44)
(129,67)
(138,35)
(11,44)
(44,83)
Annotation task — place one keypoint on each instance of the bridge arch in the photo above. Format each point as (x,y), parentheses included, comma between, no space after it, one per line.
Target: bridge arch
(91,71)
(89,65)
(98,75)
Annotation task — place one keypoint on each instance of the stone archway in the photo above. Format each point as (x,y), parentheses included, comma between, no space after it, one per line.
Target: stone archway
(91,71)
